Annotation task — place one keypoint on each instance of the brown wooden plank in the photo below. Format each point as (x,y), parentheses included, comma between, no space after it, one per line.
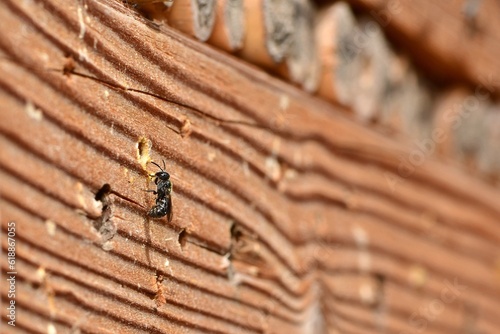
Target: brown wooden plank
(279,199)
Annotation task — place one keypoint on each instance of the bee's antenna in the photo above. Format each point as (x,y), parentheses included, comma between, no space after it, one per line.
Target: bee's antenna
(163,164)
(158,165)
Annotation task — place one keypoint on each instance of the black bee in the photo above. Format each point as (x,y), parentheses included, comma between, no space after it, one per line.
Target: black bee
(163,205)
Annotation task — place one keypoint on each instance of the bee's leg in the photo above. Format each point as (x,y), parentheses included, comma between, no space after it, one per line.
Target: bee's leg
(150,191)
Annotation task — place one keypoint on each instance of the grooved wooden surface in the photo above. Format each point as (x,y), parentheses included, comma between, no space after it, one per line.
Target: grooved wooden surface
(288,217)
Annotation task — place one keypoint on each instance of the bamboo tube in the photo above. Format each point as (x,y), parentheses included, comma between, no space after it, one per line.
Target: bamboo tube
(153,9)
(460,131)
(194,17)
(301,65)
(470,130)
(407,100)
(417,116)
(148,2)
(489,151)
(394,98)
(373,79)
(229,28)
(338,55)
(448,112)
(416,112)
(269,28)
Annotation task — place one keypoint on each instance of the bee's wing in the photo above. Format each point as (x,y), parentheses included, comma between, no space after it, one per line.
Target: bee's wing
(170,209)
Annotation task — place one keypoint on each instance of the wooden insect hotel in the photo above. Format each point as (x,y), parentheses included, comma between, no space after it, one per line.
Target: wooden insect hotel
(333,167)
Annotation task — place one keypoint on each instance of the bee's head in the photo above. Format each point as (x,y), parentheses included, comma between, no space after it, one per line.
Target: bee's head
(163,175)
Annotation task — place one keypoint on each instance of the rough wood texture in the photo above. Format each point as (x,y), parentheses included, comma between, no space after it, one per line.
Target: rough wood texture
(288,217)
(458,39)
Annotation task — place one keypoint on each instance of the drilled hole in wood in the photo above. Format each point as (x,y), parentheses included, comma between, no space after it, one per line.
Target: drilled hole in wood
(235,232)
(245,246)
(69,65)
(103,224)
(159,297)
(103,192)
(182,239)
(143,151)
(379,300)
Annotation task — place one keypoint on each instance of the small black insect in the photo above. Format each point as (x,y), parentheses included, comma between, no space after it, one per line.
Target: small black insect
(163,205)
